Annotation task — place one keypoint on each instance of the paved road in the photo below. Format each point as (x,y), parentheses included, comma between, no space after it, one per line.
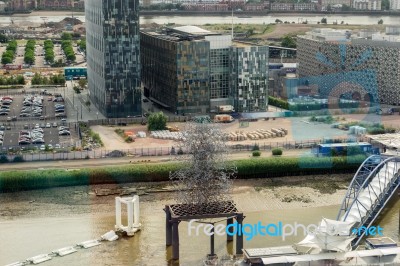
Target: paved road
(78,164)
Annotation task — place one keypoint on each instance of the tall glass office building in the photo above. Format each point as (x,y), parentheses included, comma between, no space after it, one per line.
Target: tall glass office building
(113,62)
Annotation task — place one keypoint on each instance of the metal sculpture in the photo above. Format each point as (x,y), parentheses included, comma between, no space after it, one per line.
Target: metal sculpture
(206,176)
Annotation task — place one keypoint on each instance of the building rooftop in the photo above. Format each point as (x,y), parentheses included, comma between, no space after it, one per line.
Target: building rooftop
(243,44)
(183,33)
(193,30)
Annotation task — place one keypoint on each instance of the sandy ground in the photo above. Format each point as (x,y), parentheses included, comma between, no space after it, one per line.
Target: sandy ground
(298,130)
(249,195)
(113,141)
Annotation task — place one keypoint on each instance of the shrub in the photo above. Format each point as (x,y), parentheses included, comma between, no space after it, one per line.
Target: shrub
(277,151)
(256,153)
(255,147)
(180,151)
(87,157)
(3,159)
(18,159)
(278,102)
(129,139)
(157,121)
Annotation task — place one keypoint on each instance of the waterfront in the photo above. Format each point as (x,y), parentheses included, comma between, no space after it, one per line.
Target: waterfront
(37,18)
(37,222)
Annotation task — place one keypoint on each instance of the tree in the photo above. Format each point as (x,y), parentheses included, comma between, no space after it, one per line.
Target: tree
(329,8)
(6,60)
(324,21)
(66,36)
(77,90)
(385,5)
(278,21)
(82,83)
(157,121)
(3,38)
(87,103)
(250,32)
(380,21)
(289,42)
(346,7)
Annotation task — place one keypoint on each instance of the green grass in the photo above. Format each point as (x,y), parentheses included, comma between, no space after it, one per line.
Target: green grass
(150,172)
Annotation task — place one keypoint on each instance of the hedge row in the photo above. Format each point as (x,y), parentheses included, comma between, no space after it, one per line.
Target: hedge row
(249,168)
(278,102)
(48,47)
(68,50)
(9,55)
(29,56)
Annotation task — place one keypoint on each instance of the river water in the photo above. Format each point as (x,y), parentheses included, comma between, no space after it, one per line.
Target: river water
(201,20)
(37,222)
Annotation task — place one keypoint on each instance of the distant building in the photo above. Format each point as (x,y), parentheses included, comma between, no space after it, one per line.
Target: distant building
(79,5)
(113,59)
(191,70)
(54,4)
(394,4)
(21,5)
(367,4)
(2,6)
(332,3)
(304,7)
(205,6)
(278,74)
(257,6)
(281,6)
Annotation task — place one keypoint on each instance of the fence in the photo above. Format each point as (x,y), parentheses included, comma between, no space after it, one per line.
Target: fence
(156,151)
(132,120)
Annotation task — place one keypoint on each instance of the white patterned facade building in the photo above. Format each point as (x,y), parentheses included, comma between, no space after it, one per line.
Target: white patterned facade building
(370,65)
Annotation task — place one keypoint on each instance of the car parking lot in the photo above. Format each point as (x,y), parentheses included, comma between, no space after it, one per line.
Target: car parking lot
(53,135)
(37,106)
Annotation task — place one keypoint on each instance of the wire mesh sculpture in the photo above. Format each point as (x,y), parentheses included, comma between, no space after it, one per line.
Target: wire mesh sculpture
(206,176)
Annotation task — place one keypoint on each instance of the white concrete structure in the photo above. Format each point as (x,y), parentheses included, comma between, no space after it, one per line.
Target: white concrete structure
(328,34)
(132,204)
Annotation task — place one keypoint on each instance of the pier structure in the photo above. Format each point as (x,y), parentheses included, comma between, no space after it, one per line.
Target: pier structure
(177,213)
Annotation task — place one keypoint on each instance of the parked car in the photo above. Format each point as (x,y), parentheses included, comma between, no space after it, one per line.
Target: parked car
(42,147)
(60,128)
(24,142)
(38,141)
(48,125)
(55,124)
(64,133)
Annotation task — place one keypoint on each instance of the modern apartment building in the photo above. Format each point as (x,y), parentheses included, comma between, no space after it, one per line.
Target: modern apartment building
(367,4)
(113,62)
(249,76)
(340,64)
(191,70)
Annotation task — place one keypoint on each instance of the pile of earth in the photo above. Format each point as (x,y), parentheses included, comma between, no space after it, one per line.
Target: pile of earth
(63,23)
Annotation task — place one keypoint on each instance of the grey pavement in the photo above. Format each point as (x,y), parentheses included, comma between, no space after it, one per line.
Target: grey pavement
(76,104)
